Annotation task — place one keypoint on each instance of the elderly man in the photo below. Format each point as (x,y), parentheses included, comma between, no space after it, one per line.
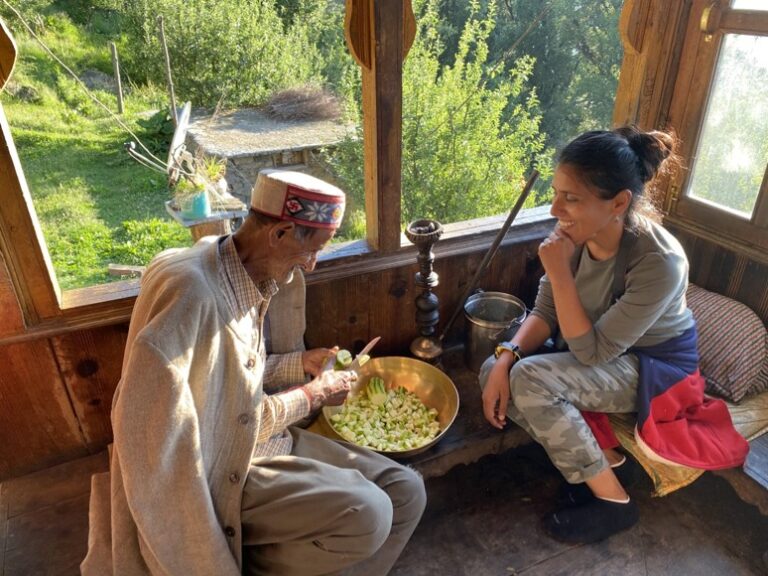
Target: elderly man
(206,478)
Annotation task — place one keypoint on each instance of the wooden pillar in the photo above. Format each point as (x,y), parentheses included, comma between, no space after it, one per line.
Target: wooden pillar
(27,263)
(379,35)
(652,32)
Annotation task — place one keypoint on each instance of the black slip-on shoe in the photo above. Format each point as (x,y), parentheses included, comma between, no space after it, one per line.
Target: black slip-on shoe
(591,522)
(575,494)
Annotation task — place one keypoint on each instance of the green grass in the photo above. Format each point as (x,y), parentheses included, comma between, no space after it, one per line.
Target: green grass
(95,204)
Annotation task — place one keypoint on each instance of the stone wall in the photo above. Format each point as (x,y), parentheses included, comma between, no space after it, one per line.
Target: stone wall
(249,140)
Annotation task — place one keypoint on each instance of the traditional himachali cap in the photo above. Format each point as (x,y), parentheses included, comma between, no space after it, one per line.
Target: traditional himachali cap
(298,197)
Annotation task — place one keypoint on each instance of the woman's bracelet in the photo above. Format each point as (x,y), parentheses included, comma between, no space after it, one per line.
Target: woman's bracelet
(508,347)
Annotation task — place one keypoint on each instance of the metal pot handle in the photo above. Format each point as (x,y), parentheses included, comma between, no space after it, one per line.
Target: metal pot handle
(507,327)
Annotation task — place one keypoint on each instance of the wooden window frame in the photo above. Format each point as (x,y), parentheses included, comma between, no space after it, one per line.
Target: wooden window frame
(47,310)
(707,26)
(44,307)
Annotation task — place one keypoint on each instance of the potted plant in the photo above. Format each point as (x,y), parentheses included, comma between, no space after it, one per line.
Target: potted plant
(213,170)
(191,197)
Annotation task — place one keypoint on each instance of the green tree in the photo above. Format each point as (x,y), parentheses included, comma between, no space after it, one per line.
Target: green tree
(29,10)
(577,50)
(470,133)
(577,53)
(235,52)
(733,149)
(325,18)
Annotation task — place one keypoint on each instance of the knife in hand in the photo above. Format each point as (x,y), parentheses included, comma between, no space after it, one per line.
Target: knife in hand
(355,365)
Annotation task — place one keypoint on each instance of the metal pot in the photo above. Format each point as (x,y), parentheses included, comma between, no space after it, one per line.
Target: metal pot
(492,317)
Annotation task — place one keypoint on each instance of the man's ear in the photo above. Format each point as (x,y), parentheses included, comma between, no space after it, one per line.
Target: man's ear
(279,231)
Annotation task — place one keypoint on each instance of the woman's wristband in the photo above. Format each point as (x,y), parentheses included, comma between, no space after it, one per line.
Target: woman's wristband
(508,347)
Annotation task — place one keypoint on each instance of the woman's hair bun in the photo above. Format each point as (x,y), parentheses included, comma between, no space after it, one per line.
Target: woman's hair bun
(651,148)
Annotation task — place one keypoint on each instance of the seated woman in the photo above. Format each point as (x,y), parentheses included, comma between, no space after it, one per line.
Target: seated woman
(613,297)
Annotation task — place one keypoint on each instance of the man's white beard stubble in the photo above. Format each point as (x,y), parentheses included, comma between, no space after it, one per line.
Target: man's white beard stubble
(289,279)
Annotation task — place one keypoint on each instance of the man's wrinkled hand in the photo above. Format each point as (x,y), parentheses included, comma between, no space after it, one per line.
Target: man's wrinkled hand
(330,388)
(314,360)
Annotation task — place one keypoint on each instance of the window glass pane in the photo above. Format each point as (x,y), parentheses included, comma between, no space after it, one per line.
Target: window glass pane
(750,5)
(96,205)
(733,147)
(490,93)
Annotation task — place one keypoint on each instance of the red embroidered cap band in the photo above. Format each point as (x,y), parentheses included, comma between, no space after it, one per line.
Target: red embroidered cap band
(298,197)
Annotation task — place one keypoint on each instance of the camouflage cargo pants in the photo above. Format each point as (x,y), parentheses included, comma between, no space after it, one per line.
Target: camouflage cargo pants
(549,391)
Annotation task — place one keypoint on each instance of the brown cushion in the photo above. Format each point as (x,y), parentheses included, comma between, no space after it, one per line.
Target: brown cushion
(733,344)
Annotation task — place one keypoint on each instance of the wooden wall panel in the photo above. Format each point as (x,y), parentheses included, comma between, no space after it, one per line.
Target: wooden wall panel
(11,319)
(455,276)
(514,270)
(350,311)
(56,393)
(38,427)
(90,362)
(724,271)
(754,288)
(353,308)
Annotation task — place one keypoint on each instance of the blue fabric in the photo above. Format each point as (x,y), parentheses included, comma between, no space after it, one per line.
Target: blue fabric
(662,366)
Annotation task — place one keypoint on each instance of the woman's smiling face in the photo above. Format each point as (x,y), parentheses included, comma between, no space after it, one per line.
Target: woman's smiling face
(581,214)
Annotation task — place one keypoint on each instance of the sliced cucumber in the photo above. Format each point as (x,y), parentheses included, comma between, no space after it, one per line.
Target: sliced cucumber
(343,359)
(377,393)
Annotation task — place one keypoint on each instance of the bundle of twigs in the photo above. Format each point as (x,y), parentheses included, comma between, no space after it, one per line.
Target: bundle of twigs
(304,103)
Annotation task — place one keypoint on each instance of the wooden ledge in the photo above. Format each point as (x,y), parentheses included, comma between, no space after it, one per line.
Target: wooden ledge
(112,303)
(469,237)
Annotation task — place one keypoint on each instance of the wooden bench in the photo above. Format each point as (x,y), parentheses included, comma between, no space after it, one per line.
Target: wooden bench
(471,437)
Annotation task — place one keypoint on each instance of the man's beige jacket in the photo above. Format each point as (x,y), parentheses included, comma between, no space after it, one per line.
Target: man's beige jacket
(180,419)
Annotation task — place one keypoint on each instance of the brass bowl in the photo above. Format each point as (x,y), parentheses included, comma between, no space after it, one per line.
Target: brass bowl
(433,387)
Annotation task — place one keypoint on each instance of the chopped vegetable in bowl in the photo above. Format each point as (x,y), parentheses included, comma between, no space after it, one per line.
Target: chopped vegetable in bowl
(432,387)
(389,421)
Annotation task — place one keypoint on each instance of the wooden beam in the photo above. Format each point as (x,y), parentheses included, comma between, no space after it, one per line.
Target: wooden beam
(377,30)
(11,319)
(7,54)
(744,22)
(21,239)
(26,262)
(652,32)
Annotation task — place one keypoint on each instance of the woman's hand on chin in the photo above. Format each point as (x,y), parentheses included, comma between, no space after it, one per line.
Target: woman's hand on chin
(555,253)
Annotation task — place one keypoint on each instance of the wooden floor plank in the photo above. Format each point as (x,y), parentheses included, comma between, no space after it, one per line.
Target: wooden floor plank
(51,542)
(47,487)
(485,520)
